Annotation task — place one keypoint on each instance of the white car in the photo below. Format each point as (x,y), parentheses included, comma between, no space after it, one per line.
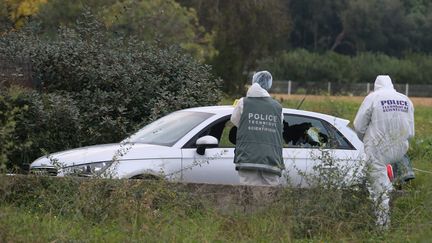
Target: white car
(195,145)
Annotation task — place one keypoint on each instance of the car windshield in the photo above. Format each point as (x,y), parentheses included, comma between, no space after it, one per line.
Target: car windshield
(169,129)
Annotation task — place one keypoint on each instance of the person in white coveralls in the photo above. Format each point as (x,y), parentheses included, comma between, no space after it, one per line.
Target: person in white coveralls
(385,123)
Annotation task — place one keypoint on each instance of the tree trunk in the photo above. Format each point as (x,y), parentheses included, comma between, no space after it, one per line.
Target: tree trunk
(338,40)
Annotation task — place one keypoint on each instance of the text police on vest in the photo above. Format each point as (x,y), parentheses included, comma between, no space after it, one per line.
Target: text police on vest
(262,117)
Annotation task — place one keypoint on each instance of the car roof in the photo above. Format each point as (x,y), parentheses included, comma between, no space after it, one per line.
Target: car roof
(228,109)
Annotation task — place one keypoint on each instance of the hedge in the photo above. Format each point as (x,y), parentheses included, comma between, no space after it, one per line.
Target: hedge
(97,88)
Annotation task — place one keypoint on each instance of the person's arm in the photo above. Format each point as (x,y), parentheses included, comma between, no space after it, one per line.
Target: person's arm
(363,117)
(238,110)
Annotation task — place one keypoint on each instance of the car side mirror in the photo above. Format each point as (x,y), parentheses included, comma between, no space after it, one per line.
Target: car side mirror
(206,142)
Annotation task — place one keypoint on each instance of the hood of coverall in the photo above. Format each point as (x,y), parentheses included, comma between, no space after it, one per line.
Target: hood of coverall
(383,82)
(264,79)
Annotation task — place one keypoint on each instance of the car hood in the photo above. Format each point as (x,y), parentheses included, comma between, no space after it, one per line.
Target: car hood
(105,152)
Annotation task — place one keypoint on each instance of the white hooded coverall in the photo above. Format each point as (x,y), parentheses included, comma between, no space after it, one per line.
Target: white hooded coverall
(385,123)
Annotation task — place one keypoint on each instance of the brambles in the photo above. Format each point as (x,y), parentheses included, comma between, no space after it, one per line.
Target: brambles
(335,202)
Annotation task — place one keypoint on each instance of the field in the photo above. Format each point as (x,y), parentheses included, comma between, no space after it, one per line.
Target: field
(417,101)
(88,214)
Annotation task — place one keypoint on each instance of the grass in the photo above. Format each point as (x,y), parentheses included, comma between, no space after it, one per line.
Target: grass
(412,213)
(19,226)
(99,212)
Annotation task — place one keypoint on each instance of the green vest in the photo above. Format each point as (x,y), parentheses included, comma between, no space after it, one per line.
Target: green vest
(259,136)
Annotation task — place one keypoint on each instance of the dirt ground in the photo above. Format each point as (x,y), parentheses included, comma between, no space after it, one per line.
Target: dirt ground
(418,101)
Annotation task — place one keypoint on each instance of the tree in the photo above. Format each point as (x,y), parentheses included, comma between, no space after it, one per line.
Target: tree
(419,13)
(317,24)
(393,27)
(13,13)
(102,86)
(377,26)
(161,21)
(245,32)
(60,13)
(165,21)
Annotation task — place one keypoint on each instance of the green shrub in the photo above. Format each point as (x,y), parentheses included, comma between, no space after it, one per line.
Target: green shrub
(96,200)
(110,86)
(337,200)
(301,65)
(8,116)
(36,122)
(424,63)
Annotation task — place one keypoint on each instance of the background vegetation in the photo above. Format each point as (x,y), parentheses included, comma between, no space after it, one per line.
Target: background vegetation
(249,31)
(302,65)
(104,68)
(47,209)
(235,36)
(93,88)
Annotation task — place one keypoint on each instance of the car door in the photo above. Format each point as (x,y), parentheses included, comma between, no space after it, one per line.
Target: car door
(310,142)
(216,165)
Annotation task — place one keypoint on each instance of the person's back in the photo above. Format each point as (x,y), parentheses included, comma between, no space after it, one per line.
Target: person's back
(384,122)
(391,121)
(258,118)
(260,130)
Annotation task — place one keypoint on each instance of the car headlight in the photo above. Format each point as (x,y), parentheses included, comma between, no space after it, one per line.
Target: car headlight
(86,170)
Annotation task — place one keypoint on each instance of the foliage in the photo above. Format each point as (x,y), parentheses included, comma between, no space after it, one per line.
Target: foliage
(97,200)
(44,209)
(5,23)
(8,116)
(36,123)
(167,22)
(390,26)
(338,198)
(234,35)
(164,22)
(111,86)
(316,23)
(245,32)
(385,29)
(13,13)
(146,209)
(133,204)
(302,65)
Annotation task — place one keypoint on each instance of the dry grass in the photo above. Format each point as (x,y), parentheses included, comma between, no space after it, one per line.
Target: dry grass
(418,101)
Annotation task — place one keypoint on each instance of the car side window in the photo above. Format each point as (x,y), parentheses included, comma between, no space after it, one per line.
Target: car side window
(304,132)
(229,136)
(299,131)
(338,141)
(222,129)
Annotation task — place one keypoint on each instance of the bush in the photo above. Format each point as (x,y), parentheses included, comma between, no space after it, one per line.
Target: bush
(337,200)
(96,200)
(301,65)
(36,123)
(8,114)
(114,85)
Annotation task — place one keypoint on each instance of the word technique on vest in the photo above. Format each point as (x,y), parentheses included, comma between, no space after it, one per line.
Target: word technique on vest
(262,122)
